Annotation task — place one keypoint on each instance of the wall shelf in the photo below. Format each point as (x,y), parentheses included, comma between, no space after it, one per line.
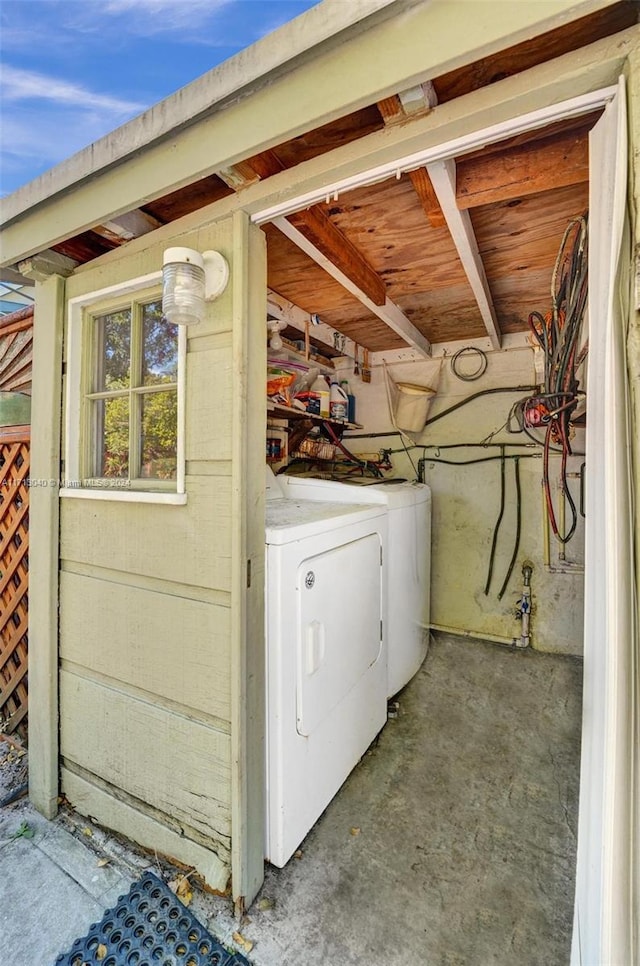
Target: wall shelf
(292,354)
(287,412)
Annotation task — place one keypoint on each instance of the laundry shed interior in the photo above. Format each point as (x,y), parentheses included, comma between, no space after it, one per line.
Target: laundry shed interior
(211,658)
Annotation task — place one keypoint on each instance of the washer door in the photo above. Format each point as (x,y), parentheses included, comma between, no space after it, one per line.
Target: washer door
(339,612)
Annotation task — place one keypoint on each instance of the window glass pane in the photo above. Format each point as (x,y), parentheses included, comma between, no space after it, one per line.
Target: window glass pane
(112,437)
(159,435)
(114,351)
(160,347)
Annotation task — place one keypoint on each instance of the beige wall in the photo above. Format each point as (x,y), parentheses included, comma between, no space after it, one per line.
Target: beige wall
(466,503)
(146,601)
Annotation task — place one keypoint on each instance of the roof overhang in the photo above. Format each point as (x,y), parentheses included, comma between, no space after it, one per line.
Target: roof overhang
(298,77)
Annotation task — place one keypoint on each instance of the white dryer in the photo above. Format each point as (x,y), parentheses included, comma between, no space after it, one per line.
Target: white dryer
(407,565)
(326,662)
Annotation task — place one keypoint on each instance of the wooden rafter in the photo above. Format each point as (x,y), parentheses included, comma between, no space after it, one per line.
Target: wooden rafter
(391,110)
(415,102)
(85,246)
(428,198)
(523,170)
(318,229)
(540,49)
(314,224)
(238,176)
(389,313)
(266,164)
(443,178)
(130,225)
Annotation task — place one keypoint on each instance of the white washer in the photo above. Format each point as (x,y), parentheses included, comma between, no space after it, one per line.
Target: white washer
(407,566)
(326,661)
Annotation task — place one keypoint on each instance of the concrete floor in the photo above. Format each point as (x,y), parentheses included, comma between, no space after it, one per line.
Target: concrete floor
(464,814)
(466,810)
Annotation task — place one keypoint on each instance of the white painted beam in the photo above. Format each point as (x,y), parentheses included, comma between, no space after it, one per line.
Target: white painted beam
(511,340)
(480,133)
(132,224)
(443,179)
(272,56)
(40,267)
(389,313)
(570,86)
(418,99)
(286,311)
(13,275)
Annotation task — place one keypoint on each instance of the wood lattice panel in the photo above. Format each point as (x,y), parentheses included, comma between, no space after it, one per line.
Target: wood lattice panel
(14,578)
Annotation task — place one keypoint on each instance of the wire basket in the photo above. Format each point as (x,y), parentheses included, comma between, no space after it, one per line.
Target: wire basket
(319,449)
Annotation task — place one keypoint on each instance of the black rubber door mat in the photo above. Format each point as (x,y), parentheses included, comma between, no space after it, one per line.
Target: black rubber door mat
(149,927)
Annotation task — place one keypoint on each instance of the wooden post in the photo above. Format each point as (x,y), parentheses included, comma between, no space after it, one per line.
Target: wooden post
(46,418)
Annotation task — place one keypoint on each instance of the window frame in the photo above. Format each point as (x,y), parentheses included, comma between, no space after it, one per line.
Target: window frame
(79,436)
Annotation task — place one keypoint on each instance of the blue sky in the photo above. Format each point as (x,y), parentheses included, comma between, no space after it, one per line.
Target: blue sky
(73,70)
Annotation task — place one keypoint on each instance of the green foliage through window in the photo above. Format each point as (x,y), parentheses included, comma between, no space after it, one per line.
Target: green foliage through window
(134,402)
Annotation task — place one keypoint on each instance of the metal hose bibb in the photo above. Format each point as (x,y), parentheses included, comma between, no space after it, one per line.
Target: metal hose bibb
(523,611)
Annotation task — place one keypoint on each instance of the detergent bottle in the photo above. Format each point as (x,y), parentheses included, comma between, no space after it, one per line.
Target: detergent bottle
(319,398)
(351,401)
(338,402)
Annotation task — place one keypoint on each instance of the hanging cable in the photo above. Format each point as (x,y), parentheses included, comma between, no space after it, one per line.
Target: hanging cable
(450,409)
(494,541)
(518,526)
(558,335)
(481,367)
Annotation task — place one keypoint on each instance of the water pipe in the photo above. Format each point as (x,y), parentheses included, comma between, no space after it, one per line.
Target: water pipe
(524,606)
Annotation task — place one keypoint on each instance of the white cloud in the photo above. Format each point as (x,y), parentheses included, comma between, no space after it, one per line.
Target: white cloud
(41,136)
(17,84)
(111,21)
(182,18)
(45,119)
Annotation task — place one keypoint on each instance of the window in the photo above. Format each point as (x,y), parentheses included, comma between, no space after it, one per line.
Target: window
(124,398)
(132,406)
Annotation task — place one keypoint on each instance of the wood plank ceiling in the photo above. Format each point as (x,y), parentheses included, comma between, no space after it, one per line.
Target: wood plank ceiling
(460,250)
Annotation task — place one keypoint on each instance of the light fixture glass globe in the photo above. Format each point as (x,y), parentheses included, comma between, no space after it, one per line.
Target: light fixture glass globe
(275,339)
(183,286)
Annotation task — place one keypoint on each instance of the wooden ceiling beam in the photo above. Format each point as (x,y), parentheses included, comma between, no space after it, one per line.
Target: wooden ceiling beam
(443,178)
(238,176)
(515,173)
(389,312)
(318,228)
(391,110)
(265,164)
(416,101)
(428,198)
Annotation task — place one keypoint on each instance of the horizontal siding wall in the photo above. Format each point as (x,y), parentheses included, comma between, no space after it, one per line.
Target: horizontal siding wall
(145,621)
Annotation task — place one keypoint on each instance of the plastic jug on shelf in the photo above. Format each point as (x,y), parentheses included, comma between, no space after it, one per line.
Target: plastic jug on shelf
(319,398)
(351,401)
(338,402)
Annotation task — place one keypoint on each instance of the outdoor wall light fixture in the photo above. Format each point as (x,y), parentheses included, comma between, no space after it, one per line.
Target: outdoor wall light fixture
(274,326)
(189,279)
